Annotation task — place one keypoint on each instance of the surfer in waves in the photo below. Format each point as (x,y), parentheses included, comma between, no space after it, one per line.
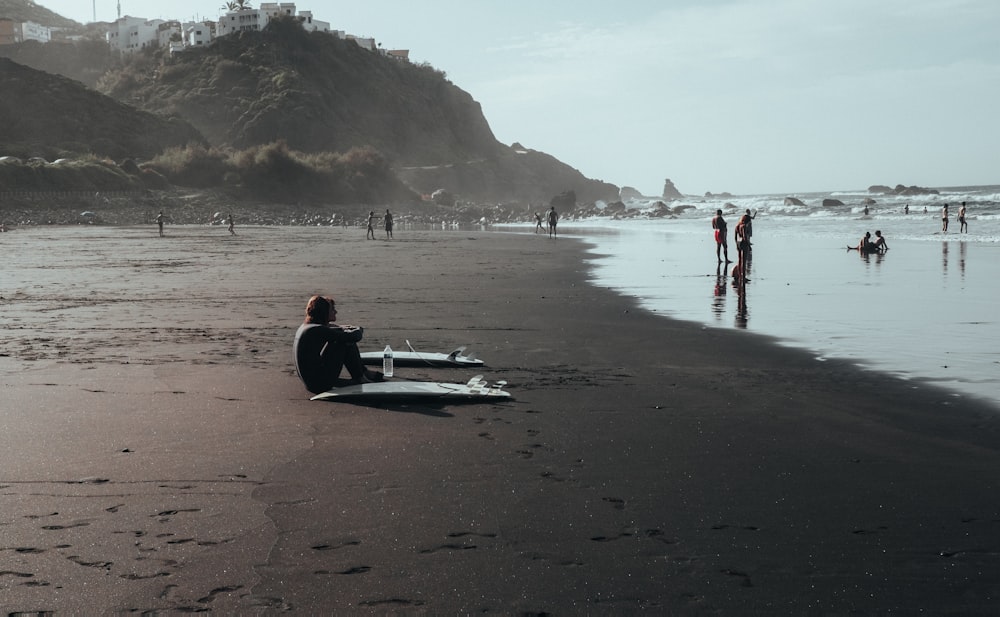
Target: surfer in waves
(323,348)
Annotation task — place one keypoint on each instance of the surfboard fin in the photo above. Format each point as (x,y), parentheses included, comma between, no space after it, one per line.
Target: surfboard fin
(455,353)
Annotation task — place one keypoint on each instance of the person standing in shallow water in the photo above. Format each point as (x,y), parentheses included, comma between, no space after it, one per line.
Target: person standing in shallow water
(944,218)
(963,227)
(721,243)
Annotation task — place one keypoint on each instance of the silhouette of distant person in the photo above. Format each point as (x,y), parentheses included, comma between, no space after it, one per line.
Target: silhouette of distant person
(159,222)
(538,223)
(906,209)
(553,220)
(388,224)
(963,227)
(721,243)
(944,218)
(371,226)
(232,224)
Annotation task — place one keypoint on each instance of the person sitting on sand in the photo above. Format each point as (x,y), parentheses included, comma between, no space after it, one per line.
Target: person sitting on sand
(865,245)
(879,244)
(322,348)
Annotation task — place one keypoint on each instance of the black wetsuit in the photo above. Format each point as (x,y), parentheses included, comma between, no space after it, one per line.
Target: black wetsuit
(321,351)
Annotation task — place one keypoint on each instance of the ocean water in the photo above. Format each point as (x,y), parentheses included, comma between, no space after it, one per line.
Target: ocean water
(926,310)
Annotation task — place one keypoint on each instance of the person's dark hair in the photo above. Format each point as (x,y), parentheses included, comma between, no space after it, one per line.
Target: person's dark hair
(318,309)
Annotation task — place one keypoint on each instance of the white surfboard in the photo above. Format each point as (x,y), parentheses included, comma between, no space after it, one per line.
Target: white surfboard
(475,388)
(424,358)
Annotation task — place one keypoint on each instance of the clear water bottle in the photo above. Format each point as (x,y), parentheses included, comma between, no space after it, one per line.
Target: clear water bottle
(387,361)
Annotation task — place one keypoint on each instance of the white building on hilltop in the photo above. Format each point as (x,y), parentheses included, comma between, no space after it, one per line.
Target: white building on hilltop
(257,19)
(131,34)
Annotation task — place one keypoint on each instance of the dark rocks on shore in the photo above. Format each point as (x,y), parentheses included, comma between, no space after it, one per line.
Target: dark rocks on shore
(564,201)
(902,190)
(723,195)
(832,203)
(793,201)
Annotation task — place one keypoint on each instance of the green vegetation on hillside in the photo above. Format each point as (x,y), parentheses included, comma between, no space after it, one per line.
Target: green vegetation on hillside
(274,172)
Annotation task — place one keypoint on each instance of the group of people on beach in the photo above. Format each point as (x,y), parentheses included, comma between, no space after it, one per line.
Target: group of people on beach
(741,236)
(551,220)
(229,220)
(963,225)
(373,218)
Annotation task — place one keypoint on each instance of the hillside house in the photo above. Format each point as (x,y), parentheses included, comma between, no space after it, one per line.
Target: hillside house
(12,32)
(128,35)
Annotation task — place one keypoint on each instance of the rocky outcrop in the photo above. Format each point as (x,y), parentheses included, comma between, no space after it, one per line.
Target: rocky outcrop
(670,191)
(565,201)
(793,201)
(832,203)
(443,197)
(902,190)
(627,192)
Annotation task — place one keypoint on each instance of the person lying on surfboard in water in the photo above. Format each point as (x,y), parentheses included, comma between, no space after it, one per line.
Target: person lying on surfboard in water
(322,348)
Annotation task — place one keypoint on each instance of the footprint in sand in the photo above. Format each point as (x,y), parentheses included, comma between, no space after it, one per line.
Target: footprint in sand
(618,503)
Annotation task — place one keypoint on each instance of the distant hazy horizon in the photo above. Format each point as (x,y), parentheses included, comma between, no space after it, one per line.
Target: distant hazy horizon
(746,97)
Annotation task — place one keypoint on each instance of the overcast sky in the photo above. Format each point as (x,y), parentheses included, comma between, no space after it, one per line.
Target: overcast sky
(744,96)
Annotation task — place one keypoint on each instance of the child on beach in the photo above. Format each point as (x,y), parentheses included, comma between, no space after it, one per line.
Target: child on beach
(322,348)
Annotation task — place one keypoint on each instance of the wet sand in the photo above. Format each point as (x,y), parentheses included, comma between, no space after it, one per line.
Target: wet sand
(158,453)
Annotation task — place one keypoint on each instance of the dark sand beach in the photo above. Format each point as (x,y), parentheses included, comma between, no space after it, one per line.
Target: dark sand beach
(157,452)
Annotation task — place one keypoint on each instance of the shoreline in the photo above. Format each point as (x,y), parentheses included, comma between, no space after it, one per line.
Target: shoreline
(160,454)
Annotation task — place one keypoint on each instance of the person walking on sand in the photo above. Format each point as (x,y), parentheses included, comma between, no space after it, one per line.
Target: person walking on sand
(388,224)
(944,218)
(159,222)
(721,243)
(232,224)
(538,223)
(553,220)
(371,226)
(963,227)
(322,348)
